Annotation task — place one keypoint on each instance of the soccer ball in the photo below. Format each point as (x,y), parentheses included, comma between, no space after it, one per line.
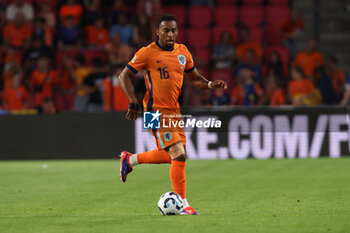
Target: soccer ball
(170,203)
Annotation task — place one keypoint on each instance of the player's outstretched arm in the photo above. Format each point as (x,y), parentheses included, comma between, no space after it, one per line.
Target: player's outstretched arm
(199,81)
(126,84)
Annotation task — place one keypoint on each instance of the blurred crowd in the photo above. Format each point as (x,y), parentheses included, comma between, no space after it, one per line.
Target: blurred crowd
(61,56)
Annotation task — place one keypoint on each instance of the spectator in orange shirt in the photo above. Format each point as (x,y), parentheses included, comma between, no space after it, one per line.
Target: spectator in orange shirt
(245,43)
(120,101)
(65,86)
(290,30)
(15,97)
(42,80)
(71,9)
(301,91)
(337,76)
(17,34)
(309,59)
(118,52)
(97,35)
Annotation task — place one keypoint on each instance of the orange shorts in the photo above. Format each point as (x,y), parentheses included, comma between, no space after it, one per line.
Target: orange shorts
(168,134)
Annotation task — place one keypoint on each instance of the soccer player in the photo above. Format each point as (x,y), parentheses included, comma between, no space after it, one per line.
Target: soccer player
(163,64)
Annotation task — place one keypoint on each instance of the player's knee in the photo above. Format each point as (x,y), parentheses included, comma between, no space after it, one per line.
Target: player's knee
(181,158)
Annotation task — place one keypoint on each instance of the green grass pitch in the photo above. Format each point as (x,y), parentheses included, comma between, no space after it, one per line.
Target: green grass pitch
(86,196)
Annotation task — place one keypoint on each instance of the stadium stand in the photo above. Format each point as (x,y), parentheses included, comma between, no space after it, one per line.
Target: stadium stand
(273,25)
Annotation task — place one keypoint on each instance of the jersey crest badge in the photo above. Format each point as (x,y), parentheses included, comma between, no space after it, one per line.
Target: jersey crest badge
(182,59)
(167,136)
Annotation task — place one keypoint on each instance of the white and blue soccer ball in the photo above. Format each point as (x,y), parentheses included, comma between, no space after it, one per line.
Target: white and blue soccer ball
(170,203)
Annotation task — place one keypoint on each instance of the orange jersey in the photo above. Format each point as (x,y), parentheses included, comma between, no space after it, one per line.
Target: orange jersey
(163,71)
(15,98)
(308,61)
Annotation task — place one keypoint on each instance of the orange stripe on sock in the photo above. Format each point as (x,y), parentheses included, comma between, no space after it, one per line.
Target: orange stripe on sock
(178,177)
(154,156)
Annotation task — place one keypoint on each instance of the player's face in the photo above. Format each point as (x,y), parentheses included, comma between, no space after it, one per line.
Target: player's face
(167,33)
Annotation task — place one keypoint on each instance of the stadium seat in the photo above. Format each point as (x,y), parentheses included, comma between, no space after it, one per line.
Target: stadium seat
(278,2)
(283,51)
(94,53)
(252,2)
(273,38)
(179,12)
(223,74)
(225,16)
(218,30)
(198,37)
(276,15)
(252,16)
(256,34)
(181,36)
(226,2)
(204,73)
(202,56)
(63,52)
(26,1)
(199,16)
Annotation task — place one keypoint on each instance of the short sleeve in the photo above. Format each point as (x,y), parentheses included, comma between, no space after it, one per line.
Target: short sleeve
(189,62)
(139,60)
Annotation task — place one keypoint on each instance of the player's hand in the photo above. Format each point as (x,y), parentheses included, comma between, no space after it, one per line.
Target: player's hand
(133,111)
(219,84)
(131,115)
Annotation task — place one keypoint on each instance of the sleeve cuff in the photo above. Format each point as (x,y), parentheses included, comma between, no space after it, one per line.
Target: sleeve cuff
(347,86)
(132,68)
(190,70)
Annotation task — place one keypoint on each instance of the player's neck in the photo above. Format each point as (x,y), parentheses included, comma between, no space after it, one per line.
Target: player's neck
(164,47)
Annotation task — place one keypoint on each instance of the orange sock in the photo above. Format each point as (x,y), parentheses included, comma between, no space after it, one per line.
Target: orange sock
(178,178)
(154,156)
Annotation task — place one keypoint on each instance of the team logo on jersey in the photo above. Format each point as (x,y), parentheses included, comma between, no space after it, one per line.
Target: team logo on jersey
(134,59)
(151,120)
(182,59)
(167,136)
